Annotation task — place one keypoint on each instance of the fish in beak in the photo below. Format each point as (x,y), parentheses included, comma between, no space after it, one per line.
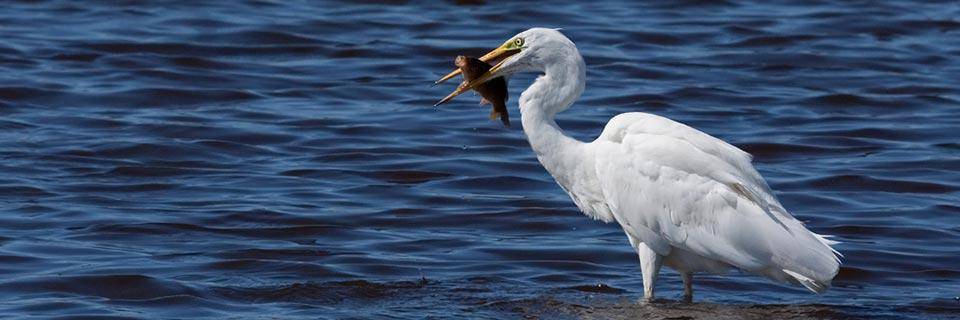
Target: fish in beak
(498,55)
(493,92)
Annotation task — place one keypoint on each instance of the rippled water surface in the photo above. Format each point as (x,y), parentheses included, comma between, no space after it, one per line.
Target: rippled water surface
(282,159)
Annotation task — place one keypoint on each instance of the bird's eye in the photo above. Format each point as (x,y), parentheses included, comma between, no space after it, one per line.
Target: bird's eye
(518,42)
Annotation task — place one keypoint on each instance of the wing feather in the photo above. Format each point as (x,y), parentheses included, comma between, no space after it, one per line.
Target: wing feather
(672,184)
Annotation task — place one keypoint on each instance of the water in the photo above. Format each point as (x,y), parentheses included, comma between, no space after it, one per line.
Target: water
(282,159)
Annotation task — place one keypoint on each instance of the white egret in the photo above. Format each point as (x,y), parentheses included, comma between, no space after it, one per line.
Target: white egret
(685,199)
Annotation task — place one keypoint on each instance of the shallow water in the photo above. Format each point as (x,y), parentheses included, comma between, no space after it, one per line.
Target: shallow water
(283,159)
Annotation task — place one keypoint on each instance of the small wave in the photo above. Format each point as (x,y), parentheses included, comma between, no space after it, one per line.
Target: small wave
(773,41)
(867,183)
(15,191)
(120,286)
(598,288)
(769,150)
(327,293)
(410,176)
(844,100)
(149,171)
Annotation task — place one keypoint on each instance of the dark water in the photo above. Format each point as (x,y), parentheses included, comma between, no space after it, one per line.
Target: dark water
(282,159)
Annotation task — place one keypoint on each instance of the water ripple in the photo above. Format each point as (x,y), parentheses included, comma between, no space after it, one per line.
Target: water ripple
(235,159)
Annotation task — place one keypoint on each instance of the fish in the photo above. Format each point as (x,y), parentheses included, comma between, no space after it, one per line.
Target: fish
(493,92)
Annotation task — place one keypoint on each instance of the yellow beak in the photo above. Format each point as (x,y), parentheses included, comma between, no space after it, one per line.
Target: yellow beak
(499,54)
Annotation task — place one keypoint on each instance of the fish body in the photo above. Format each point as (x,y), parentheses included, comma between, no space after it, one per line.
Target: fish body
(493,91)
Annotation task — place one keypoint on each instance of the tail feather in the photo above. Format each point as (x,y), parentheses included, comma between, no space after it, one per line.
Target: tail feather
(825,239)
(813,285)
(814,264)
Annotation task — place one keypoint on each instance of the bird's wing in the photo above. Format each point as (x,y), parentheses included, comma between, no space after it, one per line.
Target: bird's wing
(669,184)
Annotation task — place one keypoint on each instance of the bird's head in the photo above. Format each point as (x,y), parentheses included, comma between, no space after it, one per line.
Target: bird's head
(530,50)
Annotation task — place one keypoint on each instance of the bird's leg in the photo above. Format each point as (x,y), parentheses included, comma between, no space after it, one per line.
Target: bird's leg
(650,263)
(687,286)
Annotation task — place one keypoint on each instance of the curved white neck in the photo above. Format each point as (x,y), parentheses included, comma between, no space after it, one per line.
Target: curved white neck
(561,84)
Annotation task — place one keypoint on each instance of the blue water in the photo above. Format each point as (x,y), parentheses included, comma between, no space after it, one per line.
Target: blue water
(282,159)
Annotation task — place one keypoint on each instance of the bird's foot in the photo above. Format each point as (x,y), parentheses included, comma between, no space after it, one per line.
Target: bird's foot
(687,298)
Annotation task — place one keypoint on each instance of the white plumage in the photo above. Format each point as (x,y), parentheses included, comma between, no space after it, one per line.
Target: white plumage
(685,199)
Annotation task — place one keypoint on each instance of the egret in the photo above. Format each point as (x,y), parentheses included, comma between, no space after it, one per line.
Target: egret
(685,199)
